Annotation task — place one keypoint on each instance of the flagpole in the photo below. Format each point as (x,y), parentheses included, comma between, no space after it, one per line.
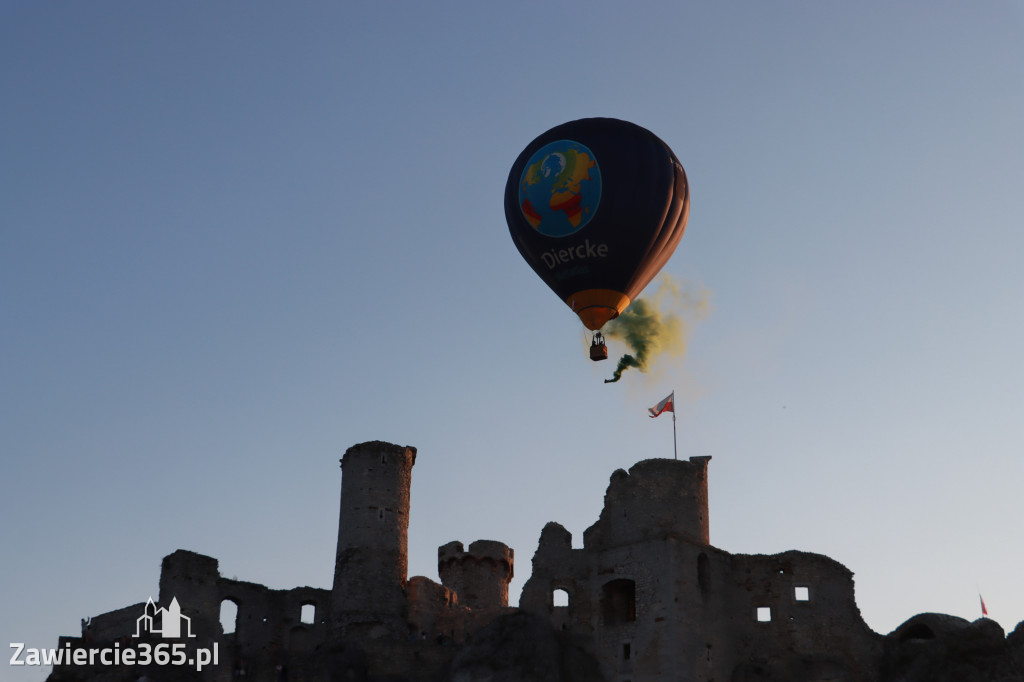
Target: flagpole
(668,404)
(675,448)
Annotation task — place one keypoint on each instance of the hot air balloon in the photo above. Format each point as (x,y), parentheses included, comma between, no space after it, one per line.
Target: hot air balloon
(597,207)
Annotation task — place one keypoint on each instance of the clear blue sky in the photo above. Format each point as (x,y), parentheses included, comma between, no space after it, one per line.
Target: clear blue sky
(237,238)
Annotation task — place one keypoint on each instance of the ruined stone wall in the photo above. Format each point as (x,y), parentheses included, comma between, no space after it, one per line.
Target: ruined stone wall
(626,584)
(192,579)
(265,618)
(372,561)
(268,629)
(112,625)
(649,600)
(656,497)
(557,566)
(434,611)
(628,590)
(704,598)
(675,628)
(795,613)
(270,621)
(658,602)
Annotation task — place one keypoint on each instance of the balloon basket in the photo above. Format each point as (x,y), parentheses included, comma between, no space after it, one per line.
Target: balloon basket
(598,351)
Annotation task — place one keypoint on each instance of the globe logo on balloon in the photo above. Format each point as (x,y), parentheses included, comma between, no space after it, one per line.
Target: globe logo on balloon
(560,188)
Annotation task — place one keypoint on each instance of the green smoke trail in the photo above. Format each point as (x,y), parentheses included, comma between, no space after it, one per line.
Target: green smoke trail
(643,330)
(625,362)
(654,327)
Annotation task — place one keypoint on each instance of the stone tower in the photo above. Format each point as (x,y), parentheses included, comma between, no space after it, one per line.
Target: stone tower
(656,497)
(480,576)
(371,566)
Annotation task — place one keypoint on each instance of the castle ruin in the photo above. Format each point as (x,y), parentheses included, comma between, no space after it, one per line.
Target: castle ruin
(648,599)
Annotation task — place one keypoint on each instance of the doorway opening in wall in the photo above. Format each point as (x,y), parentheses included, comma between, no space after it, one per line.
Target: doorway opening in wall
(308,614)
(560,598)
(618,601)
(228,616)
(627,651)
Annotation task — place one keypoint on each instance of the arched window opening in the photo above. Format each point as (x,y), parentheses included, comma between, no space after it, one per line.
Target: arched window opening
(308,614)
(560,598)
(228,616)
(618,602)
(703,574)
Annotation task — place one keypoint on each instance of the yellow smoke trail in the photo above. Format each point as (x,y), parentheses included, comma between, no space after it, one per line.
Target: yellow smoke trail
(658,326)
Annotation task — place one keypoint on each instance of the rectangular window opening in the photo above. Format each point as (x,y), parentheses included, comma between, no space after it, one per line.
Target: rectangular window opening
(626,651)
(764,614)
(802,593)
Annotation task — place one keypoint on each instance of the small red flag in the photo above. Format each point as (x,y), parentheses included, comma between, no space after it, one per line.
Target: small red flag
(666,405)
(984,611)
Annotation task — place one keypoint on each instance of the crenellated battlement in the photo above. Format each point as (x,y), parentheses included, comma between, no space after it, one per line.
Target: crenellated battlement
(481,550)
(479,576)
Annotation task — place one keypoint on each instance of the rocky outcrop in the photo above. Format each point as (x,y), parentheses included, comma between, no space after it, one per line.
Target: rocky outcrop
(936,647)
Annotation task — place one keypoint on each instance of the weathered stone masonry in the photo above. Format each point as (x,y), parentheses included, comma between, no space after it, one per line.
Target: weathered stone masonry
(649,599)
(657,600)
(373,527)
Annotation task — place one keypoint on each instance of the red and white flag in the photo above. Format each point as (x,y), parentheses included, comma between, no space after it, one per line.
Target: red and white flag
(666,405)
